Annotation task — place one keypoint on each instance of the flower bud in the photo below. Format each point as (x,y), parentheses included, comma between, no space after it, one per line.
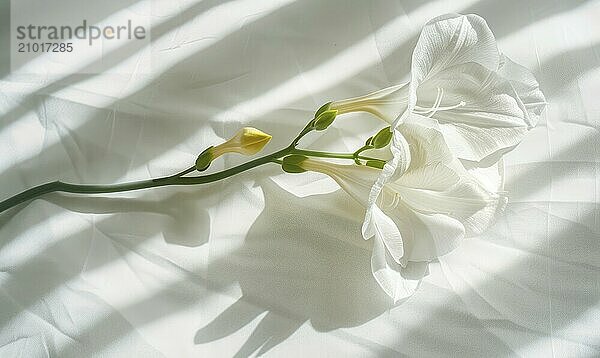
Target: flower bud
(322,109)
(291,163)
(246,141)
(377,164)
(382,138)
(325,119)
(204,159)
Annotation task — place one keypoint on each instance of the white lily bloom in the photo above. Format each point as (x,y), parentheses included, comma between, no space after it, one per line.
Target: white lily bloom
(482,100)
(479,100)
(421,214)
(465,106)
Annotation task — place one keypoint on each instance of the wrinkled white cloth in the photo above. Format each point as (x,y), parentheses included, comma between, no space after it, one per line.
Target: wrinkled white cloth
(243,268)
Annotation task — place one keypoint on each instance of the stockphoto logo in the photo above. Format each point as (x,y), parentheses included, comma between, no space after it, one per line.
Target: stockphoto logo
(80,36)
(84,32)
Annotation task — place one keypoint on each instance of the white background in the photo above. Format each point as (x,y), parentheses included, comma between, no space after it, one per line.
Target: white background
(242,268)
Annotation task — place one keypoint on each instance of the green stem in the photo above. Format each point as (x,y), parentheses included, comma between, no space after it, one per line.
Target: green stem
(185,172)
(307,129)
(362,149)
(177,179)
(137,185)
(313,153)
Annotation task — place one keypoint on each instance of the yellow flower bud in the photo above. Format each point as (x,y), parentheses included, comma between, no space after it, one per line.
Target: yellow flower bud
(246,141)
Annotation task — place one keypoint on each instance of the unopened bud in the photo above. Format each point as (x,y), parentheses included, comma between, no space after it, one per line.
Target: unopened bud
(204,160)
(375,164)
(322,109)
(382,138)
(291,163)
(325,119)
(246,141)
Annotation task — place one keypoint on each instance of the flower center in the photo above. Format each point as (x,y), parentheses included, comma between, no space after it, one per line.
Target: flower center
(429,112)
(394,199)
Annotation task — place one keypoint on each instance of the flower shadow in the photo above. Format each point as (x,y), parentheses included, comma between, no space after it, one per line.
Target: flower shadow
(183,216)
(293,264)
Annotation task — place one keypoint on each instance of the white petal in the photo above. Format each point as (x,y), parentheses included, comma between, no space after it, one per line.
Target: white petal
(397,282)
(458,54)
(451,40)
(437,200)
(383,228)
(427,236)
(460,202)
(492,118)
(477,144)
(305,184)
(490,178)
(463,197)
(484,218)
(526,87)
(437,176)
(449,203)
(426,142)
(484,93)
(356,180)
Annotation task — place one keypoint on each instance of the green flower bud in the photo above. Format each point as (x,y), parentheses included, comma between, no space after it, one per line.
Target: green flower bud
(291,163)
(204,159)
(322,109)
(375,164)
(325,119)
(382,138)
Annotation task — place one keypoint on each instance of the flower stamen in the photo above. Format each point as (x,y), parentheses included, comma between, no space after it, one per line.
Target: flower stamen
(395,200)
(430,112)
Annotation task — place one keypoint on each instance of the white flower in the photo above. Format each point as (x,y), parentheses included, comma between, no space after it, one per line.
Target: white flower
(483,102)
(421,214)
(479,100)
(465,106)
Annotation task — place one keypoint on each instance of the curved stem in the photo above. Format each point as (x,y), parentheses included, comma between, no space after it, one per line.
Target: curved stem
(362,149)
(204,179)
(137,185)
(179,178)
(185,172)
(307,129)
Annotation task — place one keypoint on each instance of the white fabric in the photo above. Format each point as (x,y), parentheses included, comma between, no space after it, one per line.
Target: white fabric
(243,268)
